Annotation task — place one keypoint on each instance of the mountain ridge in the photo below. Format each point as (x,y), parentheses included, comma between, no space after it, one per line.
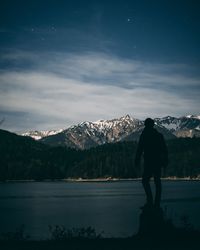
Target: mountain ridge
(90,134)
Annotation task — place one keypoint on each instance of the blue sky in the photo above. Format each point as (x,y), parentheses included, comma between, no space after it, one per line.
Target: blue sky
(63,62)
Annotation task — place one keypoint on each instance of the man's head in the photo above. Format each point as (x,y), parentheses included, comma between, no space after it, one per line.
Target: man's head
(149,123)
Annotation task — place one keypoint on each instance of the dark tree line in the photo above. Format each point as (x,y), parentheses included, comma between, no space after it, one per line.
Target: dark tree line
(23,158)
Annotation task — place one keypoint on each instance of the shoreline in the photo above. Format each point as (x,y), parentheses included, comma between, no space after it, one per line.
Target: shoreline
(108,179)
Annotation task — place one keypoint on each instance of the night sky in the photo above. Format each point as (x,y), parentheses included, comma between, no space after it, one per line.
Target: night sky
(64,62)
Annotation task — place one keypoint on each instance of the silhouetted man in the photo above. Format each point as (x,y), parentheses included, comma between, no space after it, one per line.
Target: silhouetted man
(153,148)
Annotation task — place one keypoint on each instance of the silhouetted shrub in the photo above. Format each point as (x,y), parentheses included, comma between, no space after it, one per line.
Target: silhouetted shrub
(58,233)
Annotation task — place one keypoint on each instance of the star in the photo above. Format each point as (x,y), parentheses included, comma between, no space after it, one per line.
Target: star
(130,20)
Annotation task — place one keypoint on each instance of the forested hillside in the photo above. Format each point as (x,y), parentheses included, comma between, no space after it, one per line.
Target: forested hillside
(23,158)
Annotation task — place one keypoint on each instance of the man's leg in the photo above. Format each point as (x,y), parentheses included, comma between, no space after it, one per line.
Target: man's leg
(147,188)
(158,185)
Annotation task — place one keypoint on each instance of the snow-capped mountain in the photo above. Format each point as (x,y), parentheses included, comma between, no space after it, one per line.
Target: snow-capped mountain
(89,134)
(37,135)
(194,116)
(186,126)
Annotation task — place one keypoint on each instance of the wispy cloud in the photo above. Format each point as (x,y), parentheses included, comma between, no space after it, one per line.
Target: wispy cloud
(56,90)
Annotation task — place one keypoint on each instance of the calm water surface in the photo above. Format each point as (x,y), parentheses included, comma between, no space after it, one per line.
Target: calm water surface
(112,207)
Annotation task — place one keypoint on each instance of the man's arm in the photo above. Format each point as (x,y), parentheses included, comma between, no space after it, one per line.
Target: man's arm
(140,149)
(164,153)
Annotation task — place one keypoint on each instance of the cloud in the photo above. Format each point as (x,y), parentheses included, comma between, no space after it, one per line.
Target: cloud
(57,90)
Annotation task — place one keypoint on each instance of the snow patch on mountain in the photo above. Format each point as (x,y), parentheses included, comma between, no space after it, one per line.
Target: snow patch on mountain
(194,116)
(37,135)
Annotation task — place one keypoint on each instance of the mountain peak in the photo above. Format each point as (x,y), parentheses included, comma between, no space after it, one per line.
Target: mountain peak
(127,116)
(193,116)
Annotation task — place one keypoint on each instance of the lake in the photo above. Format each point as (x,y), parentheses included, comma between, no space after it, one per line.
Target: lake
(112,207)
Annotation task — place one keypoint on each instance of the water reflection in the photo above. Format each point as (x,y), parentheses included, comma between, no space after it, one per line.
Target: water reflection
(112,207)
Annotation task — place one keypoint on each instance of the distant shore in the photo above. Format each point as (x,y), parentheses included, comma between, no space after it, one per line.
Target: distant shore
(108,179)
